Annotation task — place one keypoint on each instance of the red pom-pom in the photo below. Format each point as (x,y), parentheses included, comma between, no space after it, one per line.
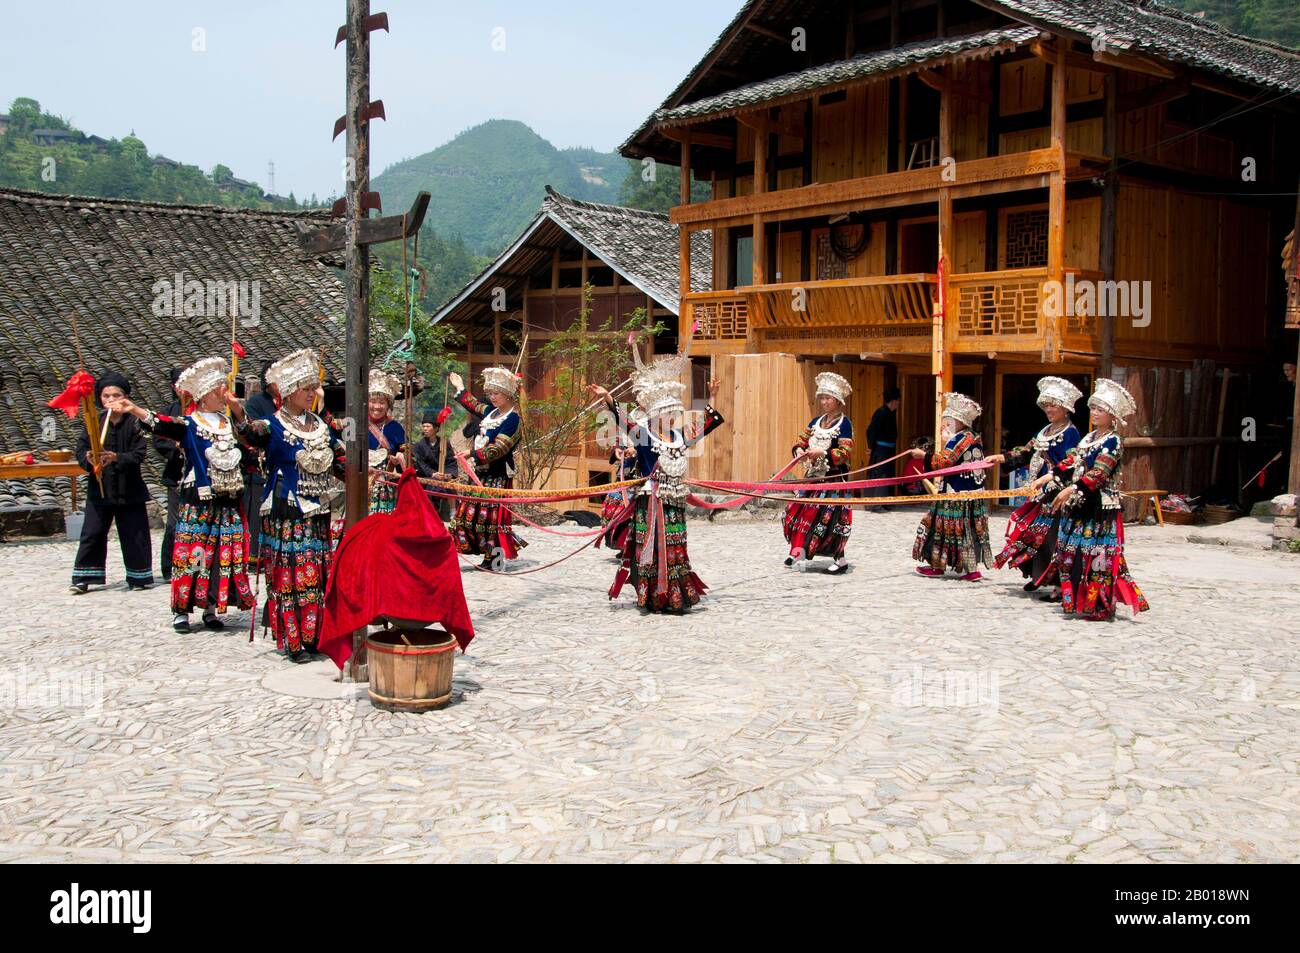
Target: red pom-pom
(443,415)
(238,349)
(30,460)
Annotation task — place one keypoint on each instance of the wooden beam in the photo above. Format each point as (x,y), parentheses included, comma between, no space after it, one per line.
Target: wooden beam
(1156,95)
(764,31)
(685,167)
(715,140)
(1109,212)
(1135,63)
(932,79)
(761,145)
(1056,207)
(555,269)
(944,381)
(909,185)
(1293,479)
(1049,50)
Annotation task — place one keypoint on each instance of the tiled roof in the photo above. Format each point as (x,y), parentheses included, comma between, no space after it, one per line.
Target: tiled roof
(100,259)
(641,246)
(1147,26)
(1142,26)
(831,75)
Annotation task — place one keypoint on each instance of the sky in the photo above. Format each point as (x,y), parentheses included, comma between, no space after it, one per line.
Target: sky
(267,84)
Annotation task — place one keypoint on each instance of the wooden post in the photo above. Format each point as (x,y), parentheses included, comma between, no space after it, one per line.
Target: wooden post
(944,382)
(1293,479)
(1056,207)
(760,186)
(1109,210)
(356,257)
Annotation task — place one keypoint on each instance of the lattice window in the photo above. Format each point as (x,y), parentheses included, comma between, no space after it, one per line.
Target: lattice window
(1003,307)
(829,264)
(1027,238)
(724,320)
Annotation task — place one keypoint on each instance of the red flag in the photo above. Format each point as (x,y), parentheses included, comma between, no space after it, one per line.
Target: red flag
(443,415)
(400,564)
(80,385)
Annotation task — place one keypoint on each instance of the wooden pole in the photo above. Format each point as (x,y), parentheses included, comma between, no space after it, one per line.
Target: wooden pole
(1293,480)
(357,265)
(1056,208)
(944,382)
(1109,210)
(760,186)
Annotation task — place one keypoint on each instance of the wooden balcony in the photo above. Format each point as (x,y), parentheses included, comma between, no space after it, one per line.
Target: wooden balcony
(892,314)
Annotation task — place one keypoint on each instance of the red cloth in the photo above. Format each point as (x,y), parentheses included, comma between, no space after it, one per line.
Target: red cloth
(80,385)
(401,564)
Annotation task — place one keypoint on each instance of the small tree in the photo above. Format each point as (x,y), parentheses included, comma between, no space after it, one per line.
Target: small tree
(558,417)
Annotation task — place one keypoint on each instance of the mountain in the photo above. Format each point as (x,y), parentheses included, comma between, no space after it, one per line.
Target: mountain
(488,182)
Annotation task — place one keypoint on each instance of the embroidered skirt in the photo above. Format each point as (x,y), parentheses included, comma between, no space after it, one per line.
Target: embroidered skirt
(655,559)
(209,560)
(813,530)
(1090,565)
(296,552)
(383,495)
(954,535)
(482,529)
(616,519)
(1031,540)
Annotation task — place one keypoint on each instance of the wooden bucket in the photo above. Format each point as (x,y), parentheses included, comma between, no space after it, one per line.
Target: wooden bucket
(410,669)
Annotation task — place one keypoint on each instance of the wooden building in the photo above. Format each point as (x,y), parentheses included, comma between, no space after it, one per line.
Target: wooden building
(902,187)
(627,257)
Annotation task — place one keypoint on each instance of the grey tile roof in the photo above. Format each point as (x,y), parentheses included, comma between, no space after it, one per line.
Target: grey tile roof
(1144,26)
(641,246)
(100,258)
(1147,26)
(831,75)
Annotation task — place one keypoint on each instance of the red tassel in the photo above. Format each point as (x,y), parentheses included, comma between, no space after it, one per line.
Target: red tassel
(80,385)
(238,349)
(443,415)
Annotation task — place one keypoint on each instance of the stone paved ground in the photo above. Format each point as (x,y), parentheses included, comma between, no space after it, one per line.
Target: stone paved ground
(796,717)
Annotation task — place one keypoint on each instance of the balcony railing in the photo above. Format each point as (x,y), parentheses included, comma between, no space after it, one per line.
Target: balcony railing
(1009,304)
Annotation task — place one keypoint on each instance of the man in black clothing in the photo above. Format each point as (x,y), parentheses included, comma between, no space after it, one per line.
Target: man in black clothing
(882,439)
(261,406)
(122,499)
(173,469)
(426,458)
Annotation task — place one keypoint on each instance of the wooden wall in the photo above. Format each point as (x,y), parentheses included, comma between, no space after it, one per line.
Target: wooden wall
(1209,265)
(851,137)
(767,400)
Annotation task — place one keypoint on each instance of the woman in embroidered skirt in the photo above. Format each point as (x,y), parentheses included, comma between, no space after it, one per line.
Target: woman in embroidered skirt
(655,558)
(480,527)
(387,441)
(813,530)
(302,454)
(210,556)
(1089,564)
(614,515)
(955,534)
(1032,528)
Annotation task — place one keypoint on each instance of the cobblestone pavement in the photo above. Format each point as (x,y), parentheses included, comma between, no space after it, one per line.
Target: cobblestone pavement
(795,716)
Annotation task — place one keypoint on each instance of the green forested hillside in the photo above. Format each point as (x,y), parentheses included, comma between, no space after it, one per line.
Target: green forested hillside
(1275,20)
(45,153)
(487,183)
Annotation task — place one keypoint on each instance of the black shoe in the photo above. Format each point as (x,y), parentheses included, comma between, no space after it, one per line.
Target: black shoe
(1052,597)
(181,622)
(210,621)
(486,563)
(79,588)
(300,657)
(789,561)
(1030,586)
(139,586)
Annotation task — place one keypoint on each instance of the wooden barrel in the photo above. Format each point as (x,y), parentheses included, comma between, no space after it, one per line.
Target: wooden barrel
(410,669)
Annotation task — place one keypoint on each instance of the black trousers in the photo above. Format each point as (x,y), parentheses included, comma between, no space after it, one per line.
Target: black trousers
(169,531)
(254,489)
(132,532)
(879,453)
